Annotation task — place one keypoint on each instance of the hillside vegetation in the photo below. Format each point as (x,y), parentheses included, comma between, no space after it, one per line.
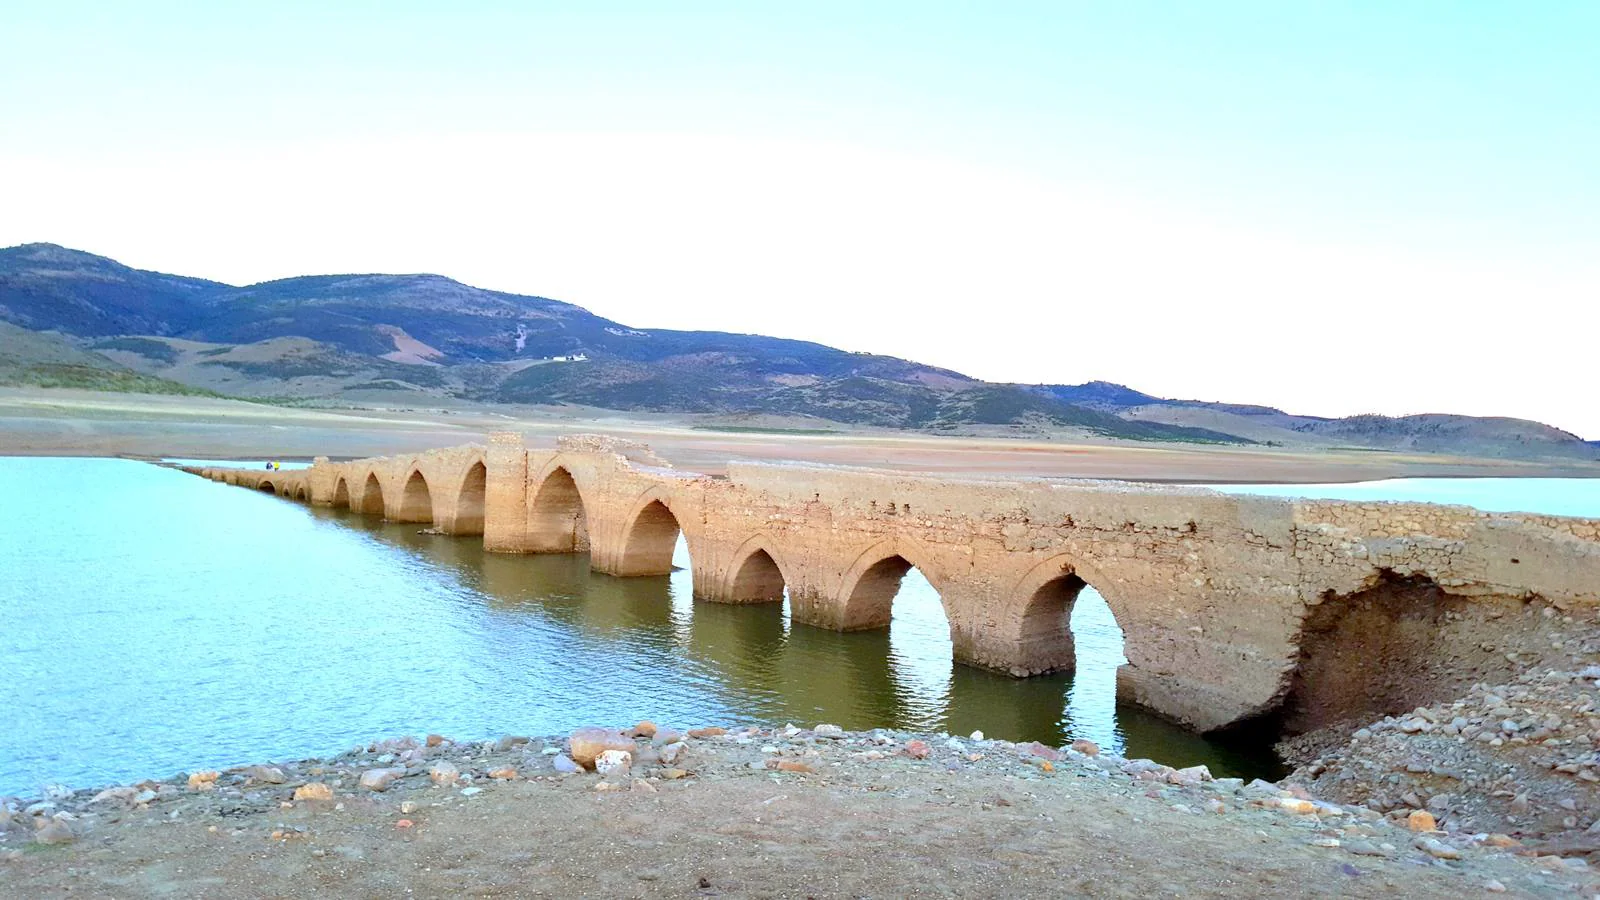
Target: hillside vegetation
(362,339)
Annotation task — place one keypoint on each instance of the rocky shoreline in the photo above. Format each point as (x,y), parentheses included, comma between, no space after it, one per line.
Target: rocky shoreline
(821,811)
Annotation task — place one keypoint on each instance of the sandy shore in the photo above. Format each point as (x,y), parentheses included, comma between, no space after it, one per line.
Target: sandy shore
(81,423)
(747,813)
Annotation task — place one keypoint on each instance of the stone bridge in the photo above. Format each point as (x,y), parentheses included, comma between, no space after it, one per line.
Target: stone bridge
(1237,610)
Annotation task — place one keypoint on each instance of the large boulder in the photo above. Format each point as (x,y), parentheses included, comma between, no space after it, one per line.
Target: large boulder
(586,744)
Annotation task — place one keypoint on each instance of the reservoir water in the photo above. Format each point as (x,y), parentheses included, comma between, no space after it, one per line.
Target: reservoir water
(153,622)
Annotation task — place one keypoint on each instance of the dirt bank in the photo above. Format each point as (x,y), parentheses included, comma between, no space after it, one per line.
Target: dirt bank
(779,813)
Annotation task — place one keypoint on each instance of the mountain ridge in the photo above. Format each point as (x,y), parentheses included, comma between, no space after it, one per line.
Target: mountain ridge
(373,337)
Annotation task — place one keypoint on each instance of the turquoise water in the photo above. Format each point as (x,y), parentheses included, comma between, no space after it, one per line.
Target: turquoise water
(1551,496)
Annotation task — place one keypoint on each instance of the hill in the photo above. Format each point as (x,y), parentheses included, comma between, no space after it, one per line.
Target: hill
(385,339)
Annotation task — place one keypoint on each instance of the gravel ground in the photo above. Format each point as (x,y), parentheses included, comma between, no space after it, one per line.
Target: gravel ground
(763,813)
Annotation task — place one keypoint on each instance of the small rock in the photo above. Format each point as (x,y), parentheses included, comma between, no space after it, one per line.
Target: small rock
(713,731)
(609,761)
(1436,848)
(790,765)
(435,740)
(1086,747)
(471,791)
(408,807)
(444,772)
(314,790)
(1493,886)
(828,731)
(380,779)
(916,749)
(112,795)
(672,752)
(564,764)
(674,774)
(202,781)
(266,774)
(1421,820)
(645,729)
(976,736)
(54,832)
(504,773)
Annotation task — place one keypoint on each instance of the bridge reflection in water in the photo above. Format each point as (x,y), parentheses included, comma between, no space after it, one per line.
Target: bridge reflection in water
(761,666)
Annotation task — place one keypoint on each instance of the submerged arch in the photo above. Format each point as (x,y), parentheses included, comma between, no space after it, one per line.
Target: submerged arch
(470,500)
(267,486)
(649,540)
(300,493)
(416,501)
(869,588)
(756,577)
(341,493)
(371,502)
(557,519)
(1042,633)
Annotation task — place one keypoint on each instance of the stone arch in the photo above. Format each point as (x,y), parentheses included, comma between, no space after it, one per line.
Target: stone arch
(371,502)
(866,594)
(755,575)
(267,486)
(341,493)
(649,539)
(558,521)
(1395,643)
(470,500)
(300,493)
(1040,614)
(416,501)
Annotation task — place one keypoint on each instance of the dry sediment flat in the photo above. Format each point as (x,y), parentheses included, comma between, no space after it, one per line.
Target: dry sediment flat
(750,813)
(84,423)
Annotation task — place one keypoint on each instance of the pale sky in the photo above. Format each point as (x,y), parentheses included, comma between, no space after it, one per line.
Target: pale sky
(1329,207)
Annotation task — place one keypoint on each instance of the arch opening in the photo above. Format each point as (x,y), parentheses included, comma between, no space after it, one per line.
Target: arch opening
(300,494)
(757,580)
(648,548)
(341,494)
(416,502)
(557,522)
(371,496)
(470,501)
(267,486)
(1399,643)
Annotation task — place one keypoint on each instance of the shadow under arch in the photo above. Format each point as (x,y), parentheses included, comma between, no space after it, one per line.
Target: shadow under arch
(267,486)
(416,501)
(341,494)
(300,493)
(869,587)
(558,521)
(755,576)
(649,539)
(1041,614)
(470,498)
(371,502)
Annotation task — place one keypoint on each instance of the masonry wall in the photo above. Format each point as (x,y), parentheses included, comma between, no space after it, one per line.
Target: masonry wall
(1211,590)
